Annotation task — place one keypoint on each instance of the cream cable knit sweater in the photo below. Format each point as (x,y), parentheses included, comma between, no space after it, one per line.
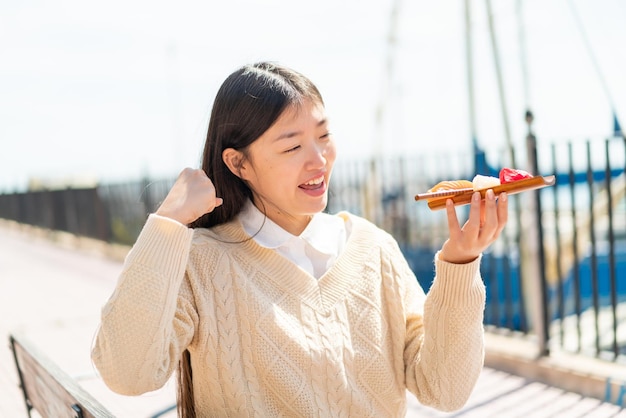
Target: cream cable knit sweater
(268,340)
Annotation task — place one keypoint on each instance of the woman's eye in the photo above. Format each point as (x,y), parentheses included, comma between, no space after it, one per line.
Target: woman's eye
(293,148)
(326,135)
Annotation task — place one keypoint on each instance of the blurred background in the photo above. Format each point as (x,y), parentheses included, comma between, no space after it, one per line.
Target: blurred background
(102,104)
(93,91)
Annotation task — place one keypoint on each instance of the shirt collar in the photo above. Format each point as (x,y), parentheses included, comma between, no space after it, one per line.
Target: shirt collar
(325,232)
(264,231)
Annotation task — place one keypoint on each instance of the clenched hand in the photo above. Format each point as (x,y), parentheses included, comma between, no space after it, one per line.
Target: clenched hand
(192,196)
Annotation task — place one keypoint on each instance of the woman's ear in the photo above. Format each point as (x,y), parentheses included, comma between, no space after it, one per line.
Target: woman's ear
(233,160)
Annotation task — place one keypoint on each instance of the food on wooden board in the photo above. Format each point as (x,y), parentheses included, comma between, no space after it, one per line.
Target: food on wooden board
(510,181)
(451,185)
(448,188)
(509,175)
(484,182)
(480,182)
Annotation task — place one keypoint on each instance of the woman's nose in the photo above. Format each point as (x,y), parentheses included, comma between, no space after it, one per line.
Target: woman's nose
(317,155)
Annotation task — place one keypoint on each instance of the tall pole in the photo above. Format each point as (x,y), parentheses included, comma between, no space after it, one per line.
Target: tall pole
(521,34)
(388,74)
(596,67)
(529,221)
(470,70)
(533,253)
(373,186)
(503,105)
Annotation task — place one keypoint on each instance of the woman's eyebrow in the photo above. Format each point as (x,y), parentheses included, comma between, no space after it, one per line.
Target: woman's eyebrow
(291,134)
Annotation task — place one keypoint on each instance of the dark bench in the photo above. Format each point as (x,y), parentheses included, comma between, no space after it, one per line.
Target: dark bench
(49,390)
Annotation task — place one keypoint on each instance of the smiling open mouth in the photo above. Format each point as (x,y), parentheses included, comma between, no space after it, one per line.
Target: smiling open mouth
(313,184)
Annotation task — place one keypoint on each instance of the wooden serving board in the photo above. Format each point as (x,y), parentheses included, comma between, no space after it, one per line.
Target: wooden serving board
(437,200)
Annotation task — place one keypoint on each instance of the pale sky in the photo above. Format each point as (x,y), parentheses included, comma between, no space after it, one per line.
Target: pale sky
(116,90)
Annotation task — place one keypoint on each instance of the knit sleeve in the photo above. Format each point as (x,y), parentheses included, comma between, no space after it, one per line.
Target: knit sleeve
(444,352)
(150,318)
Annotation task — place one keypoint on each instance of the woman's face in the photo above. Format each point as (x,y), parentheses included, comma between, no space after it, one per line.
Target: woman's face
(288,167)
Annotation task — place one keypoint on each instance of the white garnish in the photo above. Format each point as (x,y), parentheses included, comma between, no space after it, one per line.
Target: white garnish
(485,182)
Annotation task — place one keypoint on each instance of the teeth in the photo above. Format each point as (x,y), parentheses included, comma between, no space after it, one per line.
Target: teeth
(315,181)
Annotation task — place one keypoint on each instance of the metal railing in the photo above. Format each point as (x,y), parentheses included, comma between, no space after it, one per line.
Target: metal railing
(553,272)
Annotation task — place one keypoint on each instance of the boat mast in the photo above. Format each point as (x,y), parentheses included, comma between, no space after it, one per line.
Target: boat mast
(596,67)
(388,76)
(373,191)
(470,72)
(521,34)
(503,105)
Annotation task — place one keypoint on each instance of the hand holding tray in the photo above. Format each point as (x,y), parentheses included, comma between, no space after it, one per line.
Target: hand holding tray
(437,200)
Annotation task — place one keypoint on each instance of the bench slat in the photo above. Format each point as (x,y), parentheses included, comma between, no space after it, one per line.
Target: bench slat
(48,389)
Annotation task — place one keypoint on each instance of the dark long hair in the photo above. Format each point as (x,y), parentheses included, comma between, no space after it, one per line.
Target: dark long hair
(247,104)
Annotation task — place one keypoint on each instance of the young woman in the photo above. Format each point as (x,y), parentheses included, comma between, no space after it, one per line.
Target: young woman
(267,306)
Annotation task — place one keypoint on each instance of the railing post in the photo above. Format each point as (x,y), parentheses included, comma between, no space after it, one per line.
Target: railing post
(532,251)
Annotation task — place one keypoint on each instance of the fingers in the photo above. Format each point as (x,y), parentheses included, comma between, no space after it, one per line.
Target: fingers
(473,224)
(503,211)
(490,222)
(495,216)
(453,222)
(487,217)
(483,213)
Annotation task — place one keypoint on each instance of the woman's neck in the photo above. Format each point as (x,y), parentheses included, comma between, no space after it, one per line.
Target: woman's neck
(294,224)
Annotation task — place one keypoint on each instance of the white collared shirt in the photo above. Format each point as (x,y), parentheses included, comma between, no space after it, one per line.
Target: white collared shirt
(315,250)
